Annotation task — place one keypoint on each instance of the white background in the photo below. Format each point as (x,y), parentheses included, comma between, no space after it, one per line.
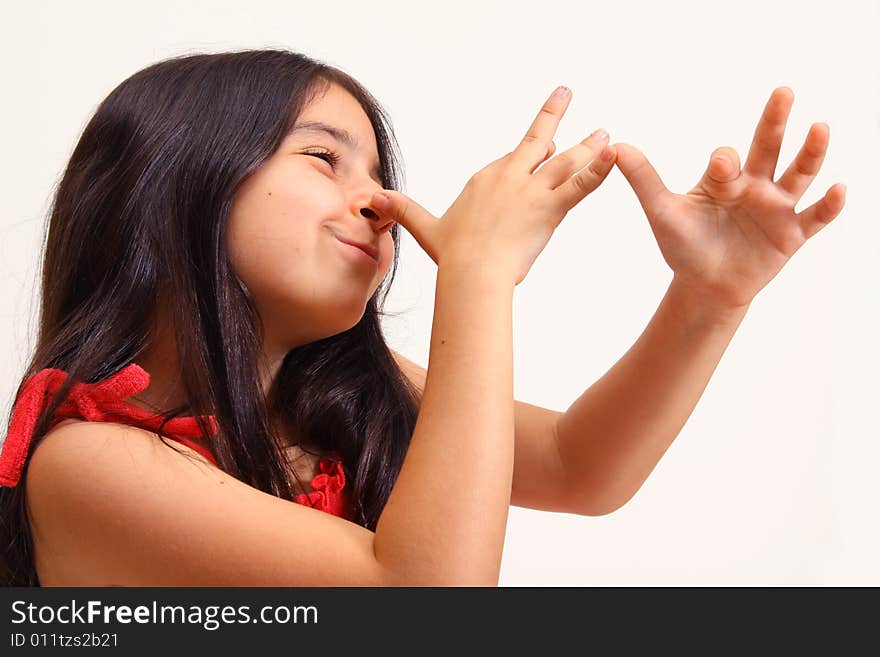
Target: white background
(773,479)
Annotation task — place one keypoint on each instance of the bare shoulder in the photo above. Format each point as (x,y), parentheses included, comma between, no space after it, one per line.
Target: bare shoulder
(413,371)
(112,504)
(72,441)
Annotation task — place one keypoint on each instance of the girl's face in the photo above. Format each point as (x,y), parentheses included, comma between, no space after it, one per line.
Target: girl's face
(288,219)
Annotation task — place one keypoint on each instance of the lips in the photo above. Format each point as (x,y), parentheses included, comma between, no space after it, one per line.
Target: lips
(369,249)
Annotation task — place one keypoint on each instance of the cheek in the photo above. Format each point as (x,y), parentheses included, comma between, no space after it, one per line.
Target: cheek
(271,206)
(268,241)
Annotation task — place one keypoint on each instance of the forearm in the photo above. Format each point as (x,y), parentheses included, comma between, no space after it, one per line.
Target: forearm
(445,521)
(614,434)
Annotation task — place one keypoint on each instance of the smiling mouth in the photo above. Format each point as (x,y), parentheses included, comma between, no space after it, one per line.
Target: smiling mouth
(359,249)
(365,250)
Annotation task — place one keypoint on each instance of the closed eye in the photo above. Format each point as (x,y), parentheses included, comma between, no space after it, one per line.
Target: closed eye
(327,156)
(333,159)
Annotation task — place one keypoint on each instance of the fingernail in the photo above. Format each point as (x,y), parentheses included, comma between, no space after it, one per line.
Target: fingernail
(600,134)
(381,201)
(561,92)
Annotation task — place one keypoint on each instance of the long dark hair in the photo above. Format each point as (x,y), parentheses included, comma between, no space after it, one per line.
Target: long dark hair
(140,215)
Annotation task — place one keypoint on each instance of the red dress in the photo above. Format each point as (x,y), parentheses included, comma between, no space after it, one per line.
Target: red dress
(104,401)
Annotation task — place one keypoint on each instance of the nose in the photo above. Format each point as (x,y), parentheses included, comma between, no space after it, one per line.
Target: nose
(361,206)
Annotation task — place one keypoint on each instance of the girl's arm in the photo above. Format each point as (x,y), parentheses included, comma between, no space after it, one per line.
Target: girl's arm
(614,434)
(724,241)
(446,517)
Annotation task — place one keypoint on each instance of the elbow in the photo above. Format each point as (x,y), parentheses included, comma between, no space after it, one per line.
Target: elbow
(595,494)
(594,504)
(593,511)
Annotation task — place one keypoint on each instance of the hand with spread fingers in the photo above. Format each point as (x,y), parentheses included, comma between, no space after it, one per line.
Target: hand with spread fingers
(733,232)
(508,210)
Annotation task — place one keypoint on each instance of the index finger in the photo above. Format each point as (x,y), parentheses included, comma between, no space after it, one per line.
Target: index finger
(532,150)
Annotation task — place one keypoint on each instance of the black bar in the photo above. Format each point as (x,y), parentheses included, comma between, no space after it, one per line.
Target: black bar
(603,620)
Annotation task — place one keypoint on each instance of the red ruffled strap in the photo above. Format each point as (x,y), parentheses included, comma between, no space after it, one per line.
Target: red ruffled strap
(96,402)
(103,401)
(329,493)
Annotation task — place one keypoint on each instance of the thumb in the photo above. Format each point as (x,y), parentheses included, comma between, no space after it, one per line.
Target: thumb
(419,223)
(642,177)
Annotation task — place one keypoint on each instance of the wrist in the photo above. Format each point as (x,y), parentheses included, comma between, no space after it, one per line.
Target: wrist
(475,273)
(699,309)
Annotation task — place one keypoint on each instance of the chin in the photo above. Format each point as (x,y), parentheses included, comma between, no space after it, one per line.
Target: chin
(343,319)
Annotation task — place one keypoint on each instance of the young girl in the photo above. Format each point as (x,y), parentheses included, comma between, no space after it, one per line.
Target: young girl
(211,401)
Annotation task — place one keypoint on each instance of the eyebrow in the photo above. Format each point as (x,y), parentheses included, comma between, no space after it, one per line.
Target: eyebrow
(340,135)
